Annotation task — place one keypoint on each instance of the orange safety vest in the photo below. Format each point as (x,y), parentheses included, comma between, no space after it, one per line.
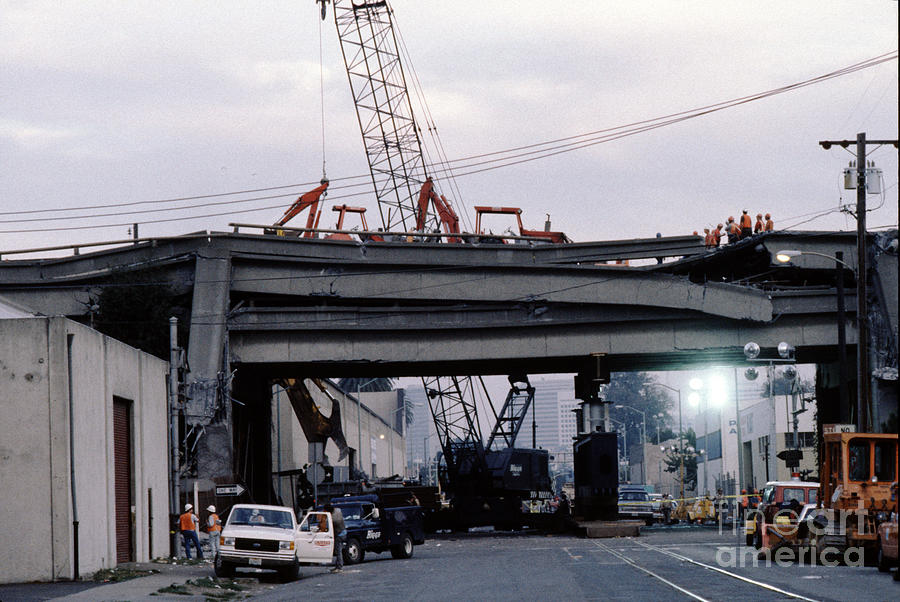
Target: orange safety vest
(770,225)
(186,521)
(214,527)
(733,229)
(758,227)
(745,221)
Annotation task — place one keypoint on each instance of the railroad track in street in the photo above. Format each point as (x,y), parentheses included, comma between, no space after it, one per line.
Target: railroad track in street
(695,579)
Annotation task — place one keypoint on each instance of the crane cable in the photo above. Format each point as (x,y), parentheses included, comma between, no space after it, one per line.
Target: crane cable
(322,89)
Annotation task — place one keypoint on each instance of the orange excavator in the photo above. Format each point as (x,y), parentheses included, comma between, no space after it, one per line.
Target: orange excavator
(551,237)
(446,214)
(308,200)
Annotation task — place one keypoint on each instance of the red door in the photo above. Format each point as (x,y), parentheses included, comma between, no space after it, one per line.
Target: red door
(122,463)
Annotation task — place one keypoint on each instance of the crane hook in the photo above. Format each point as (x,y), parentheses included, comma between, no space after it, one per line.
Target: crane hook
(323,3)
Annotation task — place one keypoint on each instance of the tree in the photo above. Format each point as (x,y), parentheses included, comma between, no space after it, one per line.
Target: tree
(636,390)
(674,456)
(136,311)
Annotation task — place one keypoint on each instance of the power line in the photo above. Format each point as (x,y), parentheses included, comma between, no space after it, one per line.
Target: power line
(501,159)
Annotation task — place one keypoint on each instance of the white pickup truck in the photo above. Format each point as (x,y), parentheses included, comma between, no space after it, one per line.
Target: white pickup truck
(269,537)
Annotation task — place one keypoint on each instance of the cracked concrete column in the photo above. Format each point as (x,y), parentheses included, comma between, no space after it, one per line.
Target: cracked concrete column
(207,359)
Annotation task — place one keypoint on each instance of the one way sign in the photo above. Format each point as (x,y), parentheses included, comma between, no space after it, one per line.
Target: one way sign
(224,490)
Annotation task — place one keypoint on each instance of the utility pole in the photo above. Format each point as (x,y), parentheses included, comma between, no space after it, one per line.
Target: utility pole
(174,463)
(862,306)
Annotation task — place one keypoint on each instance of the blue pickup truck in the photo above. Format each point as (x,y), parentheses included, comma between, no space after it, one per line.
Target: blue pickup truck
(371,527)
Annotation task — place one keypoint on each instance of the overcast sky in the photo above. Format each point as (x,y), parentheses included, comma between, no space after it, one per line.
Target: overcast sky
(115,102)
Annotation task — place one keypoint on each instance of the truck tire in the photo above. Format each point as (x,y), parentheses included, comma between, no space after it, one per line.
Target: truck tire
(353,552)
(222,569)
(290,572)
(404,549)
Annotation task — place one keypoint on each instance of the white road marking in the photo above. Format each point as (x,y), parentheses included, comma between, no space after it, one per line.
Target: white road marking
(724,572)
(651,573)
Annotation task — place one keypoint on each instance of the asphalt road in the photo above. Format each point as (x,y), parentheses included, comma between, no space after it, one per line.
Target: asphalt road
(663,564)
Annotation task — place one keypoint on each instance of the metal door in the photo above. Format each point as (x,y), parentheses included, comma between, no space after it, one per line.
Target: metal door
(123,485)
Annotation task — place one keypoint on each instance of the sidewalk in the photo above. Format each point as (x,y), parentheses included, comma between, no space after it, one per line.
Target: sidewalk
(147,587)
(168,582)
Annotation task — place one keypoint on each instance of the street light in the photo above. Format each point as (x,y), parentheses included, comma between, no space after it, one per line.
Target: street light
(702,393)
(785,256)
(643,433)
(359,423)
(680,434)
(624,440)
(785,356)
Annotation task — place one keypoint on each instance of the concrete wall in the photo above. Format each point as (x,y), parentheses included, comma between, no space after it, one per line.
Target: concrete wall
(38,498)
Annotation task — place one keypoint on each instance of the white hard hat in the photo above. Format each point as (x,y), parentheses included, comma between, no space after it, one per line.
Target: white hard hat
(210,508)
(188,507)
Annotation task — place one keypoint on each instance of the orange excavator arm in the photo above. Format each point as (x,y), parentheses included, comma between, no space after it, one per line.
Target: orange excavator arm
(448,217)
(310,200)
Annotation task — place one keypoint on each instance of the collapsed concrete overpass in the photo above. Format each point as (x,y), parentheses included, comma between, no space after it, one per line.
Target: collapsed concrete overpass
(269,306)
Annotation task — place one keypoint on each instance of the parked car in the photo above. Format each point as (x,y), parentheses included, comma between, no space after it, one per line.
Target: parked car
(269,537)
(776,519)
(635,503)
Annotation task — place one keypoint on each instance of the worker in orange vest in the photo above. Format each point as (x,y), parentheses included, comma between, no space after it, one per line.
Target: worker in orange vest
(770,225)
(214,527)
(746,225)
(717,235)
(708,239)
(758,227)
(188,523)
(734,231)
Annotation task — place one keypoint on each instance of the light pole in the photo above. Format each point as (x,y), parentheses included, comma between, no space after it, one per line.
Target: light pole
(359,386)
(785,256)
(643,433)
(695,398)
(402,429)
(680,435)
(785,356)
(624,443)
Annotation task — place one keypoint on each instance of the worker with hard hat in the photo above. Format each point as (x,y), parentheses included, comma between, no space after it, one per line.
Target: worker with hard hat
(214,527)
(187,524)
(770,225)
(758,226)
(746,225)
(717,235)
(708,240)
(734,231)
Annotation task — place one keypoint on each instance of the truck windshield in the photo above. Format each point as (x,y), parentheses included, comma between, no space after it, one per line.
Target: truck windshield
(258,517)
(859,460)
(355,511)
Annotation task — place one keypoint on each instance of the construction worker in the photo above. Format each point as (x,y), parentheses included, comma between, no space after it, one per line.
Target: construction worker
(746,225)
(188,523)
(734,231)
(214,528)
(754,499)
(708,239)
(666,507)
(717,234)
(770,225)
(758,227)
